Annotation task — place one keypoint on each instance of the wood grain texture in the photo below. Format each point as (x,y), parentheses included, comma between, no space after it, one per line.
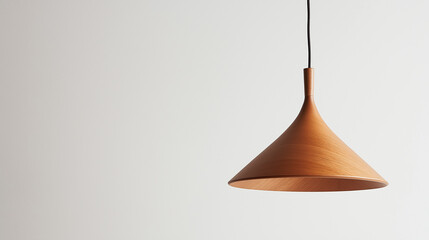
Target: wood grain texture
(308,156)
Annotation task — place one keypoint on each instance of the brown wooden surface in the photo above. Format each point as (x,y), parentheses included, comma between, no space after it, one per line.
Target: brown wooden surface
(308,156)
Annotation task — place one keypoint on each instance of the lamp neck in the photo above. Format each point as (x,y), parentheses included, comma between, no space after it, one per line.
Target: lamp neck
(309,82)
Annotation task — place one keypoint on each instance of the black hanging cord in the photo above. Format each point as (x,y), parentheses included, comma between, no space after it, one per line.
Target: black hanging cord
(308,33)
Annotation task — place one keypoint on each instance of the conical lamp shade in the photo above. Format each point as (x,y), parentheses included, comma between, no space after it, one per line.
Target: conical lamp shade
(308,157)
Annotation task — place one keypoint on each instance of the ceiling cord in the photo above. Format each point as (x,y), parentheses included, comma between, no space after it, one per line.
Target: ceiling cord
(308,33)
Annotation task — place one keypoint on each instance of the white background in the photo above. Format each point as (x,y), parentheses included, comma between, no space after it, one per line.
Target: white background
(126,119)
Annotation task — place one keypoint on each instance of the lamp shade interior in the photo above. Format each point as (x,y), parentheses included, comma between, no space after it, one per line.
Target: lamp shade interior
(308,184)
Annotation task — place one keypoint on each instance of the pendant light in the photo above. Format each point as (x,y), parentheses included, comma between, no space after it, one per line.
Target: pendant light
(308,156)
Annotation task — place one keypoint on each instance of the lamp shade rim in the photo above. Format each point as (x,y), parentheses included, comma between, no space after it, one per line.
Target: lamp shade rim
(308,183)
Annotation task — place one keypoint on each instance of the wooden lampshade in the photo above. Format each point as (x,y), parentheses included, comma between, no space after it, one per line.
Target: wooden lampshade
(308,157)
